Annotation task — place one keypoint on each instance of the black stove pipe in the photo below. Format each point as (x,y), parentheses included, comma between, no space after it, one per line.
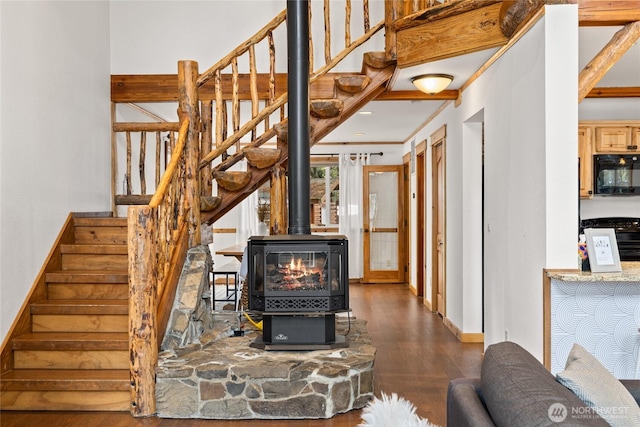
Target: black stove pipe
(298,88)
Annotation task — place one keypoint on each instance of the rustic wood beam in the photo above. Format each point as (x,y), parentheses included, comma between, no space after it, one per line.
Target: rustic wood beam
(416,95)
(456,35)
(608,13)
(164,87)
(514,13)
(622,41)
(614,92)
(439,11)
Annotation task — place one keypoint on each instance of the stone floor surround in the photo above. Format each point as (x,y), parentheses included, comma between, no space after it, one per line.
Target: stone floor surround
(204,371)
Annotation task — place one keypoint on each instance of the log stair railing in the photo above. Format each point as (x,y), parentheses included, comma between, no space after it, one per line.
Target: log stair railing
(326,115)
(69,349)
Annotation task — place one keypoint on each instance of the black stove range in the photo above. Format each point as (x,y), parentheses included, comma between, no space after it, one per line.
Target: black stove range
(627,234)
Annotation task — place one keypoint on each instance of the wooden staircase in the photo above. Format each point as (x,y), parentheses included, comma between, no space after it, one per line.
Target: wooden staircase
(350,94)
(72,350)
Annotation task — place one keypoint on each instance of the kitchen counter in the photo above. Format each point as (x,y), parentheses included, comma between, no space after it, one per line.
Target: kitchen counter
(630,273)
(600,311)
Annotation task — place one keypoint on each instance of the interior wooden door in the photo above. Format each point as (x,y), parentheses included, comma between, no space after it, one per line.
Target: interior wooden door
(420,219)
(384,250)
(438,224)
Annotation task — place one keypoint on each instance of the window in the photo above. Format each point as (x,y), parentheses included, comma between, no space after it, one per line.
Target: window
(324,195)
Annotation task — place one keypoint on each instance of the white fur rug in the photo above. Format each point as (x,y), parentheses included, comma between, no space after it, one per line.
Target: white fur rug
(392,411)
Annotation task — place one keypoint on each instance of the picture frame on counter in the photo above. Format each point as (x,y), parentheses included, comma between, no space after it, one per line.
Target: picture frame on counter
(602,250)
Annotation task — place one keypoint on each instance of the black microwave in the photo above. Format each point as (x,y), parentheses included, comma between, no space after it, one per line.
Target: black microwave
(616,174)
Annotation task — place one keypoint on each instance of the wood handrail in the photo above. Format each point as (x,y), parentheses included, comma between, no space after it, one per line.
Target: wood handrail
(242,48)
(169,172)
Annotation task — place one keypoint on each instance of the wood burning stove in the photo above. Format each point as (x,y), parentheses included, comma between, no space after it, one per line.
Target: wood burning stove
(298,283)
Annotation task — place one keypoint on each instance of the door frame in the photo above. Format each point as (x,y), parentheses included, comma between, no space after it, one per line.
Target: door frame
(421,252)
(388,276)
(438,138)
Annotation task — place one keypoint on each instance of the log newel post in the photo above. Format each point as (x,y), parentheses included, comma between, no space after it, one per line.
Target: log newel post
(278,192)
(188,107)
(143,339)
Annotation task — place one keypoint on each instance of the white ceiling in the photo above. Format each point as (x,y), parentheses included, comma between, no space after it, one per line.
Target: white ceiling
(397,121)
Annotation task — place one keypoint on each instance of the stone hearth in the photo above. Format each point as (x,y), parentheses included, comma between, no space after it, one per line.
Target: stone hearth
(212,374)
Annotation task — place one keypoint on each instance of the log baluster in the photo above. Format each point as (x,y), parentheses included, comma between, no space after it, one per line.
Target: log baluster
(253,84)
(347,23)
(219,108)
(327,33)
(127,176)
(367,18)
(235,108)
(141,162)
(158,157)
(206,146)
(272,76)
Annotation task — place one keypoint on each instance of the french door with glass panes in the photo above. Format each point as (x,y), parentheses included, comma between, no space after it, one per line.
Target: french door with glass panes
(384,257)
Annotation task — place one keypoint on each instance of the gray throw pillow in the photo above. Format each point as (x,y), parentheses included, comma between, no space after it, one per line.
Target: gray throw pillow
(598,388)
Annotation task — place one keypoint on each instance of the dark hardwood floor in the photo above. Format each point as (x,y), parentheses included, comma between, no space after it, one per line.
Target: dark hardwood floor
(416,357)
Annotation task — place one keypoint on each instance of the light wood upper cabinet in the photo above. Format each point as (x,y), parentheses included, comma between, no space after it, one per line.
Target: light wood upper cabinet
(585,154)
(615,139)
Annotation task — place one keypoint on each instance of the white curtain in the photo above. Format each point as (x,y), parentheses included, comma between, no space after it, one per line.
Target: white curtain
(248,223)
(350,210)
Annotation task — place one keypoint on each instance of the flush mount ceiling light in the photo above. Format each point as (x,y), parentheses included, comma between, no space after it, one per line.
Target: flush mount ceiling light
(432,83)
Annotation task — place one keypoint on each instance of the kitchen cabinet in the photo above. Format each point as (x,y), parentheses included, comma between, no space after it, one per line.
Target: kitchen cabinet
(585,154)
(615,139)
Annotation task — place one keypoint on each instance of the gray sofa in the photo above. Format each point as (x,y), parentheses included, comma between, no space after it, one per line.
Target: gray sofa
(515,389)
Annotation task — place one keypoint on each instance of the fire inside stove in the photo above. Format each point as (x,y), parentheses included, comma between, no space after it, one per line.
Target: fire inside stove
(297,273)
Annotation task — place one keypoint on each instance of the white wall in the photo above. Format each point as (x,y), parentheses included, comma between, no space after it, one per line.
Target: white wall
(527,102)
(54,138)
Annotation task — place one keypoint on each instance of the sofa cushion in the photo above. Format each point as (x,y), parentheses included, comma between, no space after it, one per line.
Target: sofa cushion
(597,387)
(519,391)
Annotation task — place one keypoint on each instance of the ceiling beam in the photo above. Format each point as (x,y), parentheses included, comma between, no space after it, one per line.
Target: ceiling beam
(606,58)
(614,92)
(416,95)
(608,12)
(451,36)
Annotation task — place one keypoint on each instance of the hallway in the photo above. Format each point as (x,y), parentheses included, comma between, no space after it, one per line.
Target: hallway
(416,357)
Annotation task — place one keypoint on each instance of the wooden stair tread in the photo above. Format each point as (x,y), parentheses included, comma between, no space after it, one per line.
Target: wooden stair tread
(232,180)
(352,84)
(66,379)
(107,249)
(377,60)
(326,108)
(100,222)
(87,276)
(262,158)
(72,341)
(101,307)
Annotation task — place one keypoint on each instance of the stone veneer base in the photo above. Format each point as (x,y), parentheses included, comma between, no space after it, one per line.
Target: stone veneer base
(222,377)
